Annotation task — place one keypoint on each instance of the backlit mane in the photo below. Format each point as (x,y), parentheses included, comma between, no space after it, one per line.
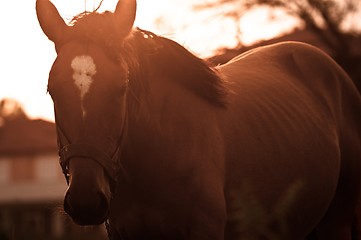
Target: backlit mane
(142,48)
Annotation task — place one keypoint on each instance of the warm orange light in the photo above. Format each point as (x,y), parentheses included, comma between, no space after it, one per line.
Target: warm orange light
(27,55)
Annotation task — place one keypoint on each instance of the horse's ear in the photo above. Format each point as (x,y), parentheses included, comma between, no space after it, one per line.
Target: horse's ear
(50,20)
(125,15)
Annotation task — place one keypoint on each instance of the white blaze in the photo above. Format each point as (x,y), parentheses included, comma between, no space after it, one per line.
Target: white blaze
(84,69)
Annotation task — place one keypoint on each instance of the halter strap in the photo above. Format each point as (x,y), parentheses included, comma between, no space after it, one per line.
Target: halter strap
(87,151)
(110,164)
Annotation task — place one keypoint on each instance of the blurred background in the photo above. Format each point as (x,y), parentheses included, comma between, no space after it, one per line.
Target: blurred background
(31,183)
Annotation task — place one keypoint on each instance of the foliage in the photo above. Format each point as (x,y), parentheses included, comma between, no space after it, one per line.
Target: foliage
(11,109)
(253,221)
(318,15)
(333,21)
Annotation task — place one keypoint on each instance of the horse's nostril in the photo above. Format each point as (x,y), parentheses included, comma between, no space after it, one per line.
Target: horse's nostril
(67,206)
(90,210)
(103,202)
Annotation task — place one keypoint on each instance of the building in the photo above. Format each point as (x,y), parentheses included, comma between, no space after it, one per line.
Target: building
(32,185)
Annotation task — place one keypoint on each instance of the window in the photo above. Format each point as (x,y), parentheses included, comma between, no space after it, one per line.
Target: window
(22,169)
(47,169)
(4,170)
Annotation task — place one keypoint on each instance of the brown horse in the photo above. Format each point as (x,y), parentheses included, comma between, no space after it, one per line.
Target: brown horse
(267,146)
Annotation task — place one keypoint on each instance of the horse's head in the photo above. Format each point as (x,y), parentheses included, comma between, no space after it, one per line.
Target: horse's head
(88,83)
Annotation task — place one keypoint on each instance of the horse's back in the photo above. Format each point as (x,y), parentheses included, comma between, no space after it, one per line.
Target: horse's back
(293,138)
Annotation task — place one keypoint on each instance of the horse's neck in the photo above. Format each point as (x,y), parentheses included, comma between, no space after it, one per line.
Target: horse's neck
(169,108)
(172,124)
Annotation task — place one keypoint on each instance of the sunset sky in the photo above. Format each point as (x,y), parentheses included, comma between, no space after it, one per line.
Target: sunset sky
(26,55)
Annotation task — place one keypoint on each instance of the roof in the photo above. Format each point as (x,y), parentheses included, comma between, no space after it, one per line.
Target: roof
(23,136)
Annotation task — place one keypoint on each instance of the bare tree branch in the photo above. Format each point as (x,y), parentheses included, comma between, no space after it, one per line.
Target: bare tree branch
(326,18)
(323,17)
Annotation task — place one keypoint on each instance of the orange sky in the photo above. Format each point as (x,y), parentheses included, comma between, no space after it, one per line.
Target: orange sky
(26,55)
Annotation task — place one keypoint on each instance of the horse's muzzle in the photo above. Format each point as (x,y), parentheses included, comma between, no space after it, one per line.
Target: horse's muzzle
(86,210)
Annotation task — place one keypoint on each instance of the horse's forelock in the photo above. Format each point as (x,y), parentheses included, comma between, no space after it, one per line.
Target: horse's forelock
(99,28)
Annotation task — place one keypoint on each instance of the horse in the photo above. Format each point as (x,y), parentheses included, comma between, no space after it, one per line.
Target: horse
(160,145)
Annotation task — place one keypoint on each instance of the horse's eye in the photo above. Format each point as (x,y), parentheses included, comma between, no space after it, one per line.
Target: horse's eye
(52,89)
(49,90)
(123,88)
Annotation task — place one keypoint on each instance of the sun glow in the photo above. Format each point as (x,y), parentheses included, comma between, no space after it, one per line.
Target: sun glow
(27,55)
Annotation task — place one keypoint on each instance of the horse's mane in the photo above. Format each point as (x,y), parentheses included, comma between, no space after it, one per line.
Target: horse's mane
(143,48)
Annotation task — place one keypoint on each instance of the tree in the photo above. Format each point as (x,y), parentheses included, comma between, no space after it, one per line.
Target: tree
(325,17)
(11,109)
(333,21)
